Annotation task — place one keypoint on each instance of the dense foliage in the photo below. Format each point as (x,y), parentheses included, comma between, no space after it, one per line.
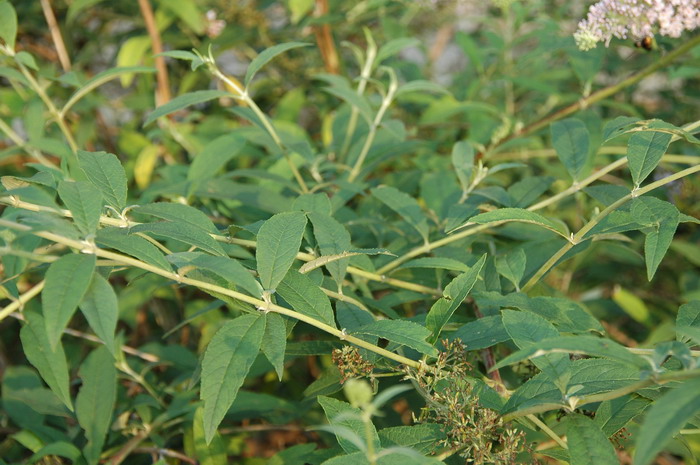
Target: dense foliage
(369,232)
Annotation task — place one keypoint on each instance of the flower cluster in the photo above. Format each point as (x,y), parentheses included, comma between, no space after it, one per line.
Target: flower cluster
(637,19)
(477,433)
(351,364)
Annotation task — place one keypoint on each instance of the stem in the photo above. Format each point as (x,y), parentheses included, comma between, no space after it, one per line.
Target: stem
(163,89)
(58,117)
(578,237)
(373,131)
(543,426)
(602,93)
(124,223)
(260,304)
(56,35)
(23,299)
(14,137)
(242,94)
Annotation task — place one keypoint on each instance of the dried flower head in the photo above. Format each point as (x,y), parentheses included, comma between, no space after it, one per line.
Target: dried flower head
(351,364)
(637,19)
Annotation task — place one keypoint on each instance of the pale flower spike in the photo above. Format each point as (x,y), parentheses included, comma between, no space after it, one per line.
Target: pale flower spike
(637,19)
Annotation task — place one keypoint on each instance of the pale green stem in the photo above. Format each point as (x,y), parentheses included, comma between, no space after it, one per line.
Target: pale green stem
(242,94)
(578,237)
(14,137)
(547,430)
(23,299)
(354,113)
(260,304)
(373,132)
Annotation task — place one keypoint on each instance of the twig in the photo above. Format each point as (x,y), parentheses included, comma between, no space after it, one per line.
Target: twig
(56,35)
(163,89)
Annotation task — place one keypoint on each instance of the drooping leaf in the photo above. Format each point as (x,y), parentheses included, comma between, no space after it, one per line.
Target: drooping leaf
(178,213)
(644,151)
(401,332)
(49,360)
(332,238)
(351,97)
(226,363)
(214,156)
(689,315)
(266,55)
(105,171)
(184,101)
(665,418)
(67,280)
(454,295)
(406,206)
(570,139)
(662,218)
(617,126)
(95,402)
(278,243)
(394,46)
(84,202)
(99,305)
(306,297)
(344,415)
(504,215)
(422,437)
(613,415)
(182,232)
(228,268)
(588,345)
(587,443)
(421,85)
(119,239)
(207,453)
(275,342)
(529,189)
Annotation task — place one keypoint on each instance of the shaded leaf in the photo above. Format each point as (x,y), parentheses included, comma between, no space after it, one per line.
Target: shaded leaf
(504,215)
(279,240)
(306,297)
(208,453)
(100,307)
(67,280)
(342,414)
(644,152)
(663,218)
(214,156)
(401,332)
(178,213)
(587,443)
(482,333)
(228,268)
(84,202)
(570,139)
(184,101)
(406,206)
(332,238)
(119,239)
(275,342)
(226,363)
(8,24)
(105,171)
(266,55)
(182,232)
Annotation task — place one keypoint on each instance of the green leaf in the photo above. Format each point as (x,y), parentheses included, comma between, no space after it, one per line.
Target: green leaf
(188,12)
(482,333)
(665,418)
(275,342)
(49,361)
(279,240)
(344,415)
(182,232)
(309,203)
(406,206)
(67,280)
(420,85)
(463,163)
(226,363)
(8,24)
(442,263)
(178,55)
(617,126)
(689,315)
(214,156)
(227,268)
(422,437)
(266,55)
(394,46)
(106,173)
(95,402)
(306,297)
(570,139)
(84,202)
(613,415)
(351,97)
(101,78)
(587,443)
(511,266)
(101,310)
(207,453)
(663,218)
(184,101)
(401,332)
(178,213)
(644,151)
(454,295)
(527,330)
(505,215)
(587,345)
(332,238)
(527,190)
(119,239)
